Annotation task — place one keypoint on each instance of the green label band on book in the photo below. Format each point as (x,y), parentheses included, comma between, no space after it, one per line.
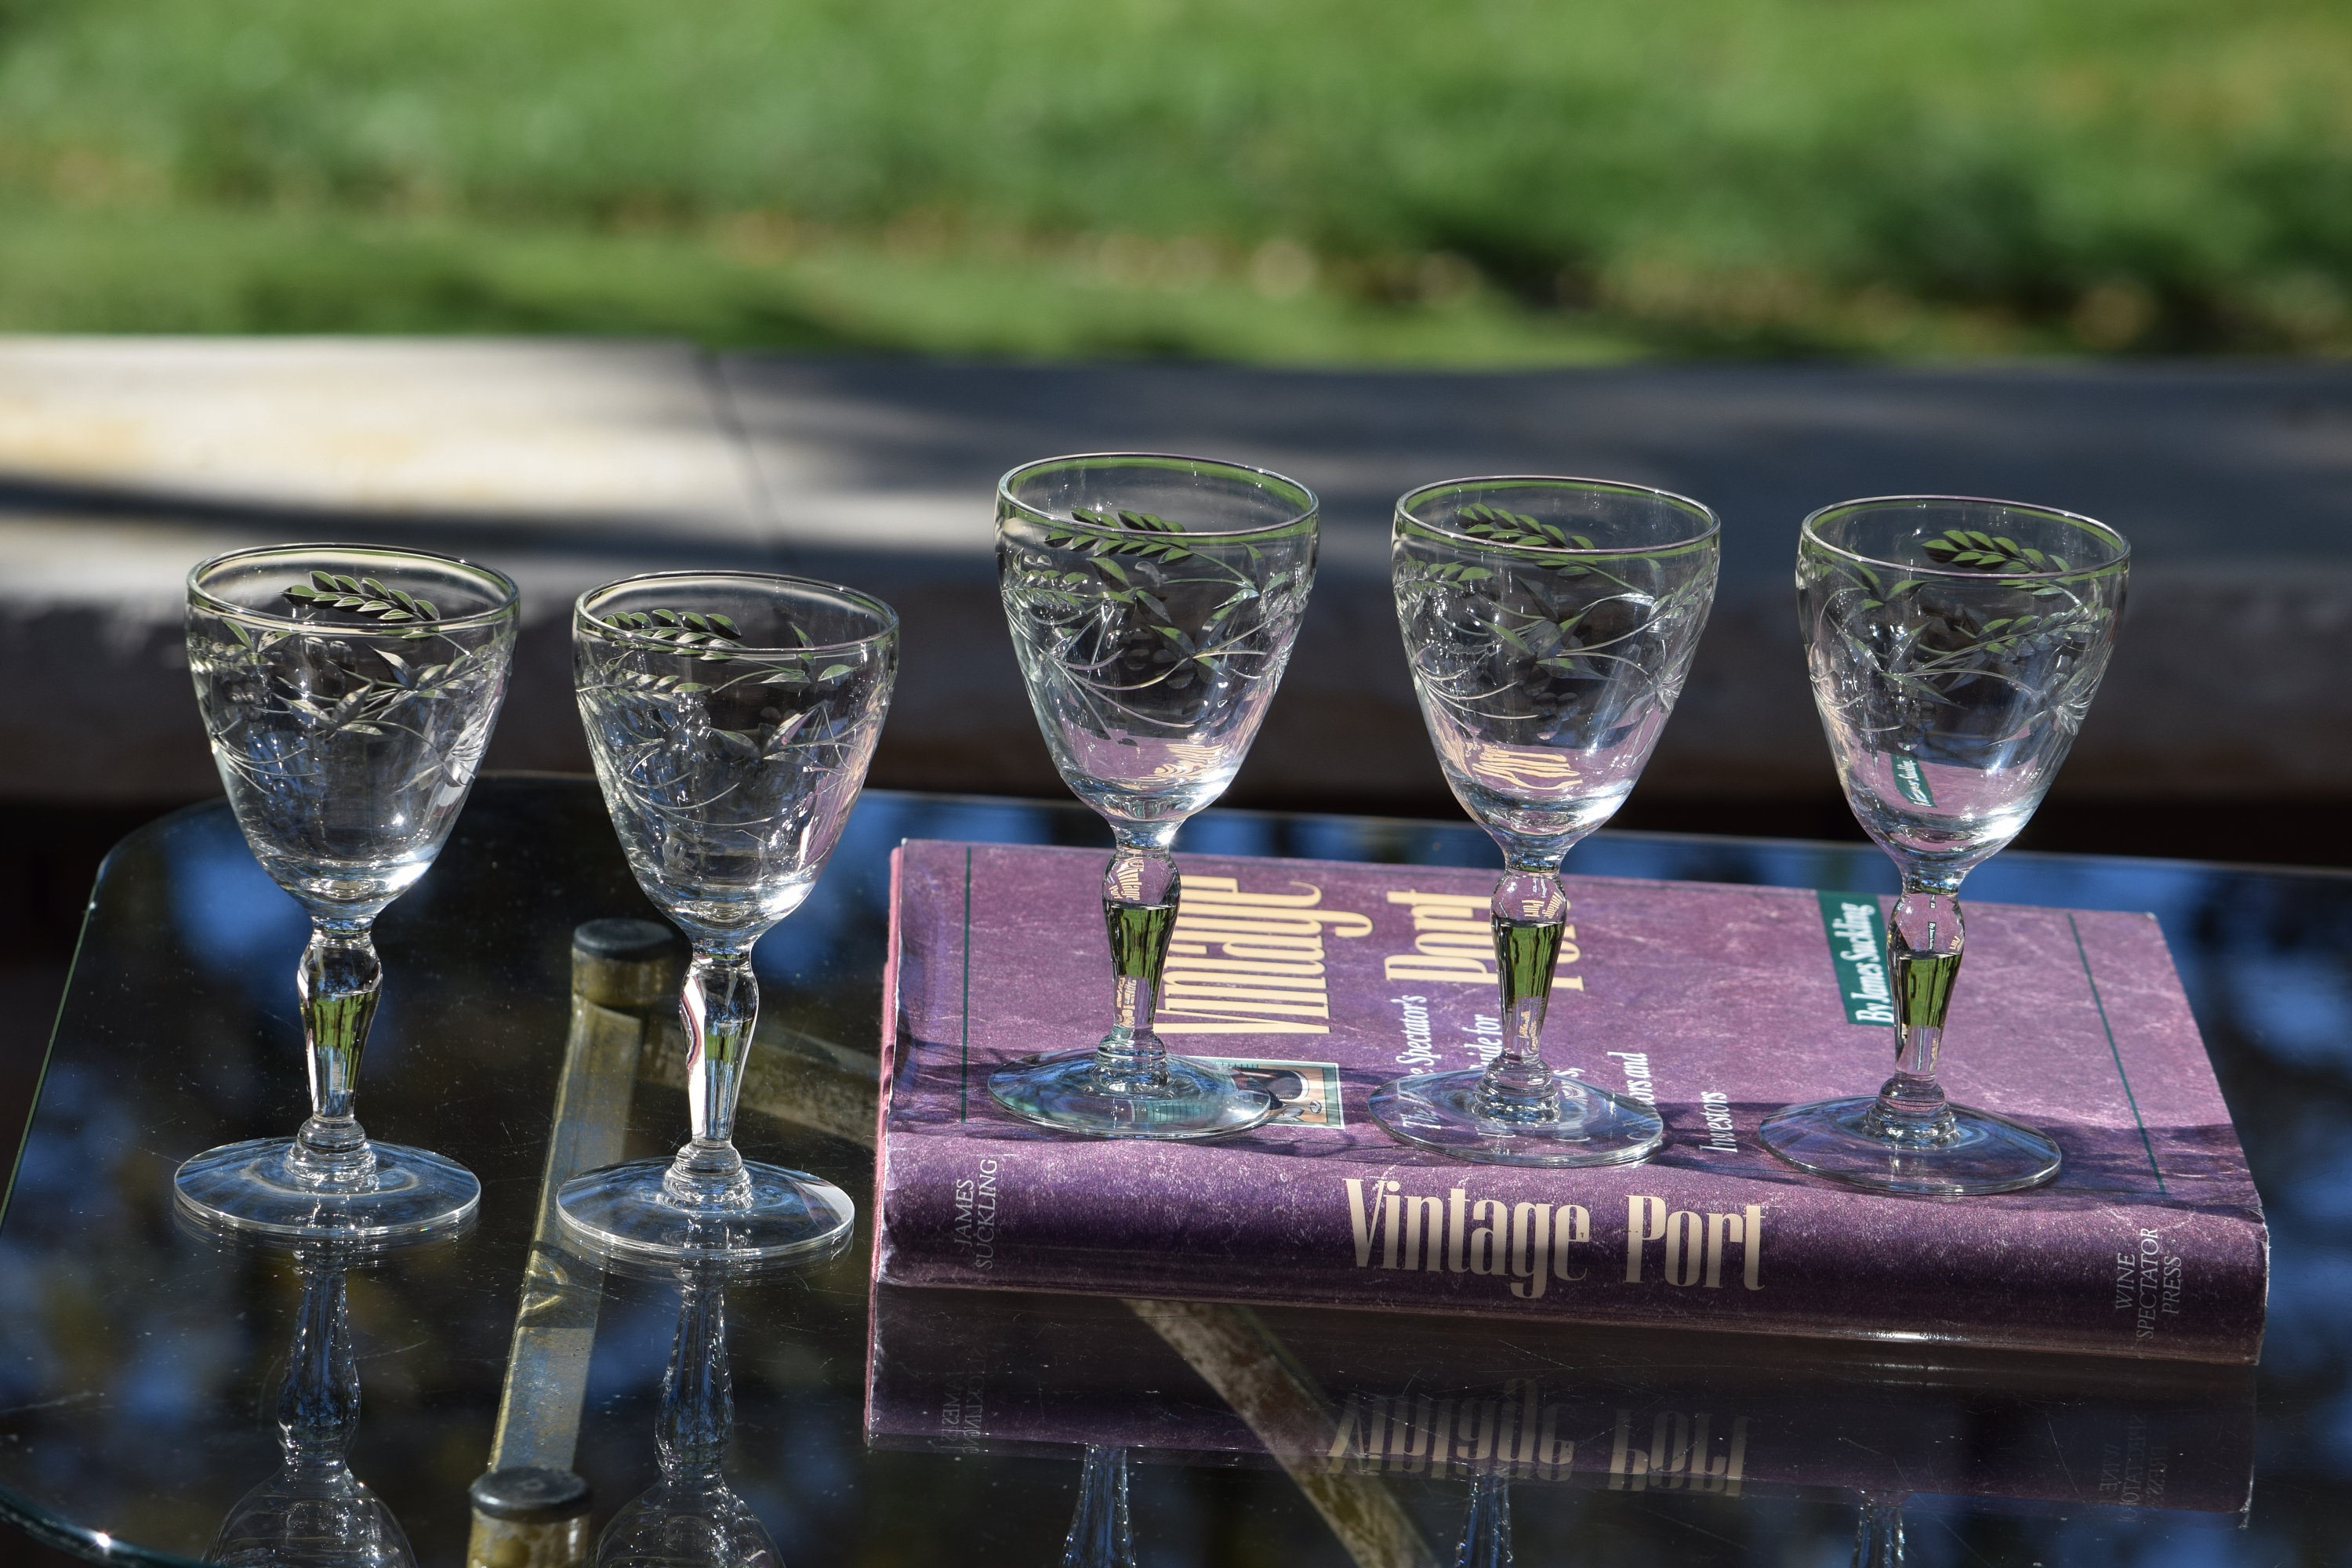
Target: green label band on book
(1858,951)
(1911,779)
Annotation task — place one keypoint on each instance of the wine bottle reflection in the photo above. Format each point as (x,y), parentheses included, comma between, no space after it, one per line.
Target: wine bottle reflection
(691,1518)
(314,1513)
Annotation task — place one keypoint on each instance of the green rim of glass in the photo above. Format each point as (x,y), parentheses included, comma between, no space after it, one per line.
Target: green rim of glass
(509,606)
(1809,537)
(1710,528)
(1288,488)
(587,619)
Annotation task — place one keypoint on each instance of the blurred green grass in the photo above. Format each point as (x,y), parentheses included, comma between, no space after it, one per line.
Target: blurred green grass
(1310,180)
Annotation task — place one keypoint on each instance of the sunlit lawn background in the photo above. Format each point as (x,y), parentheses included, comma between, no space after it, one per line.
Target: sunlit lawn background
(1316,181)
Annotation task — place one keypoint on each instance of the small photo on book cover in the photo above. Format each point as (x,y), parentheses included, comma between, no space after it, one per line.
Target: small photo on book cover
(1308,1092)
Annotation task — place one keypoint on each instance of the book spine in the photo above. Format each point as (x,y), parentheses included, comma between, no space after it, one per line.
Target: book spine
(893,947)
(891,959)
(1646,1247)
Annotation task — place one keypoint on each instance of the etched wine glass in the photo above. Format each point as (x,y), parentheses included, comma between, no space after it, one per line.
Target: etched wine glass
(1153,601)
(730,716)
(348,692)
(1549,623)
(1955,646)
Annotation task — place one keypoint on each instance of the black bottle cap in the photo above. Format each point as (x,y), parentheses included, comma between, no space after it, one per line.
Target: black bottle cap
(623,940)
(530,1494)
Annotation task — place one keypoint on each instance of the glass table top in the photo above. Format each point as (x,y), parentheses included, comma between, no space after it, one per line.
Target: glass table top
(164,1396)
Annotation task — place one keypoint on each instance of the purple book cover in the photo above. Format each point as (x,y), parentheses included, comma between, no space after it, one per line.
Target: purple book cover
(1720,1003)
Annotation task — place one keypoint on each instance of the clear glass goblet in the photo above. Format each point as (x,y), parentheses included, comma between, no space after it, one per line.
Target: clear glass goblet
(1955,646)
(1549,623)
(732,716)
(348,692)
(1153,601)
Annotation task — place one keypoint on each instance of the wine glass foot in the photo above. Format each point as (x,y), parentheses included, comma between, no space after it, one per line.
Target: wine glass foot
(625,1210)
(1437,1111)
(1984,1153)
(1061,1092)
(254,1188)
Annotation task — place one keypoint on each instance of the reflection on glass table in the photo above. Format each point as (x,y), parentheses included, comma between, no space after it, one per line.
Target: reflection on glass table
(1347,1402)
(140,1367)
(314,1513)
(691,1516)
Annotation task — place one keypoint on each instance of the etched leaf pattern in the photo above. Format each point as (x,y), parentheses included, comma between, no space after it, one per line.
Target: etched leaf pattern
(1541,643)
(2011,634)
(724,753)
(363,596)
(369,700)
(1146,632)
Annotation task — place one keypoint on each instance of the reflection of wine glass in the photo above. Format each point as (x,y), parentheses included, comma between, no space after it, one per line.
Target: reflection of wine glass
(1549,623)
(1955,646)
(1878,1533)
(1486,1527)
(1099,1534)
(1153,601)
(314,1513)
(730,716)
(348,693)
(691,1518)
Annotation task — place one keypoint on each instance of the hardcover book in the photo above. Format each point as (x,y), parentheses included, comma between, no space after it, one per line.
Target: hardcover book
(1718,1004)
(1623,1409)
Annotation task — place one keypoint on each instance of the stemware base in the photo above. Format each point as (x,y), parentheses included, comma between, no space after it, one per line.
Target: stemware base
(254,1187)
(1984,1153)
(628,1211)
(1437,1111)
(1061,1091)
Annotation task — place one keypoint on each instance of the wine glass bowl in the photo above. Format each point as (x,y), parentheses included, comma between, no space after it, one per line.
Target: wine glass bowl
(347,726)
(1951,681)
(1152,643)
(1954,647)
(731,760)
(348,693)
(731,717)
(1549,623)
(1153,601)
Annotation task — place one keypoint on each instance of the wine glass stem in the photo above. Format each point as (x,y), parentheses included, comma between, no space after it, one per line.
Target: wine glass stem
(1530,914)
(1141,889)
(1923,947)
(719,1007)
(339,982)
